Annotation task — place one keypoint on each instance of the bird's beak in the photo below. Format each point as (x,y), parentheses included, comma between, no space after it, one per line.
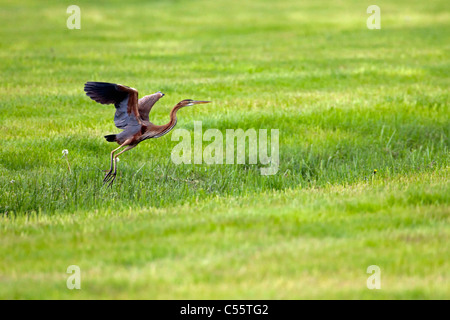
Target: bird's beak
(200,102)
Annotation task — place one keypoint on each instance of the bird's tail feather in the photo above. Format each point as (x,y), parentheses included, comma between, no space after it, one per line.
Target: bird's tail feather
(110,138)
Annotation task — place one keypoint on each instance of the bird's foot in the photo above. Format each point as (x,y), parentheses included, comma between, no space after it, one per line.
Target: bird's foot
(107,175)
(110,177)
(113,177)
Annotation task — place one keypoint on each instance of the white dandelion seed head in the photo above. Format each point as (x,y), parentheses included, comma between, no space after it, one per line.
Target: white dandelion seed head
(65,152)
(118,159)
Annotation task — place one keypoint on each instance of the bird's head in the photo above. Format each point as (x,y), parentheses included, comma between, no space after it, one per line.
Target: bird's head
(190,102)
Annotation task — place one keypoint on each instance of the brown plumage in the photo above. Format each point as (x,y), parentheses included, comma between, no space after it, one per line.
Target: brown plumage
(132,115)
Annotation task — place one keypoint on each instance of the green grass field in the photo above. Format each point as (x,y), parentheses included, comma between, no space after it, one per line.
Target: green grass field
(346,99)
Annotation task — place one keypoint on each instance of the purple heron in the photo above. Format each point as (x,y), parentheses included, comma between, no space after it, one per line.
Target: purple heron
(131,116)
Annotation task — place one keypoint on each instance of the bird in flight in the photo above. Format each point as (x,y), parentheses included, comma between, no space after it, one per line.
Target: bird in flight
(131,116)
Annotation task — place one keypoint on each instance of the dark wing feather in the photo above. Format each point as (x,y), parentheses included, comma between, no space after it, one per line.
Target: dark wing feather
(104,93)
(121,118)
(123,98)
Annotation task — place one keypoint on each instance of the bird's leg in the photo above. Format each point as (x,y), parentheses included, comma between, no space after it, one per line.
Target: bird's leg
(112,176)
(112,161)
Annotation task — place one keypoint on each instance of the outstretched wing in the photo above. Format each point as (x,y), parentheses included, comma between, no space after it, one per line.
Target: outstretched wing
(146,104)
(124,98)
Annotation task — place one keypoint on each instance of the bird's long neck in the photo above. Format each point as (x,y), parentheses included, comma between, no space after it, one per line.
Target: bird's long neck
(173,115)
(173,119)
